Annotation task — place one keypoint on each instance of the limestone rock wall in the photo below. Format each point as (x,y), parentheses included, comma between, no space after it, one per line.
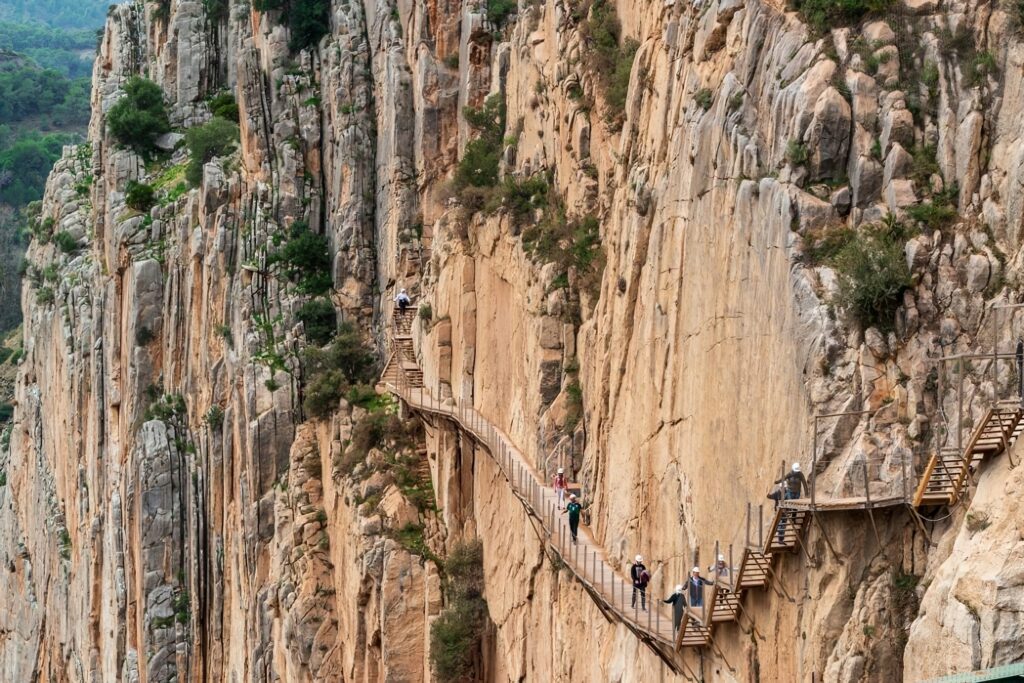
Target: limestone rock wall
(170,512)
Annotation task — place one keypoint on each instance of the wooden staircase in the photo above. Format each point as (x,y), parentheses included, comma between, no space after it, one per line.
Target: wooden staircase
(725,600)
(949,471)
(402,366)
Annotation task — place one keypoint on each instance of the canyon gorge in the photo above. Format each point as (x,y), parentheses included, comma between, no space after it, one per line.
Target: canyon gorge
(653,243)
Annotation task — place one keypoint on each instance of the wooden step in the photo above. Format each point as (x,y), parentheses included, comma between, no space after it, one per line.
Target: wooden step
(692,633)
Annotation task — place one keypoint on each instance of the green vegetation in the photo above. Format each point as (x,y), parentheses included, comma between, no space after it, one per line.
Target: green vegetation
(796,153)
(214,417)
(332,371)
(611,59)
(870,267)
(304,259)
(308,20)
(824,15)
(140,116)
(571,243)
(223,105)
(139,196)
(499,10)
(478,167)
(426,313)
(935,215)
(64,14)
(455,637)
(704,98)
(318,320)
(213,139)
(66,242)
(69,52)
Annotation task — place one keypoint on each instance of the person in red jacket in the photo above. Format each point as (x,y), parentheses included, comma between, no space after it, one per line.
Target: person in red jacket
(560,484)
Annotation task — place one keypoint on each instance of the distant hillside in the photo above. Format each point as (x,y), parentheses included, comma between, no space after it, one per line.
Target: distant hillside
(66,14)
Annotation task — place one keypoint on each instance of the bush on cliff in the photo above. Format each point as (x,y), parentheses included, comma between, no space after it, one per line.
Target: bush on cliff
(331,372)
(318,320)
(456,634)
(304,258)
(213,139)
(611,59)
(823,15)
(872,273)
(308,20)
(479,164)
(140,116)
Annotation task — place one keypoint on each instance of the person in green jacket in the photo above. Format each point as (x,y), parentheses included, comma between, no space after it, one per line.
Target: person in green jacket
(573,508)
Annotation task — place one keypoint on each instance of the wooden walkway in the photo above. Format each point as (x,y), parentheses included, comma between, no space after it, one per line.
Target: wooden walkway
(610,588)
(586,559)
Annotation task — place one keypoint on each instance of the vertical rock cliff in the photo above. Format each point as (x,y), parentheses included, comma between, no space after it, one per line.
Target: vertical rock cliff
(626,229)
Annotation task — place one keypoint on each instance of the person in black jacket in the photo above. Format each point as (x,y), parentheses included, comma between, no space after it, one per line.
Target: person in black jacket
(640,577)
(795,484)
(678,605)
(696,586)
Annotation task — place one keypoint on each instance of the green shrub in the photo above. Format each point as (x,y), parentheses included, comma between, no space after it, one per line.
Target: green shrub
(223,105)
(933,215)
(140,116)
(824,15)
(308,20)
(479,164)
(456,635)
(978,67)
(499,10)
(872,273)
(139,196)
(610,62)
(216,10)
(66,242)
(318,320)
(330,372)
(796,153)
(304,258)
(426,313)
(214,417)
(704,98)
(214,138)
(6,412)
(522,197)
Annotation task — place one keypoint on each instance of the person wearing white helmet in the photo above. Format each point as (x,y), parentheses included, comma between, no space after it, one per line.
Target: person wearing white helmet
(573,508)
(638,573)
(678,603)
(560,484)
(719,568)
(696,587)
(402,299)
(795,484)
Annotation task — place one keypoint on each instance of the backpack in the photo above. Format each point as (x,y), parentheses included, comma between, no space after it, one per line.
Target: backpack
(560,481)
(644,578)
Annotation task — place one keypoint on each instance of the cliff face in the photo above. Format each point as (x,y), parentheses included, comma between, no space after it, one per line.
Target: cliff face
(171,512)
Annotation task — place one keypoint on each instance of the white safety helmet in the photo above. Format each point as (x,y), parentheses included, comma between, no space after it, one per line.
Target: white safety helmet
(572,496)
(721,558)
(796,467)
(402,291)
(639,559)
(561,470)
(695,570)
(679,588)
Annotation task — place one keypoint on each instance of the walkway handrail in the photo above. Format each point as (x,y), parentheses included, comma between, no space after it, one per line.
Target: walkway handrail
(585,559)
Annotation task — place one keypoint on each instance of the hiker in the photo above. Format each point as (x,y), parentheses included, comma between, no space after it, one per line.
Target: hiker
(403,300)
(678,603)
(720,569)
(696,587)
(638,573)
(560,484)
(573,508)
(795,483)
